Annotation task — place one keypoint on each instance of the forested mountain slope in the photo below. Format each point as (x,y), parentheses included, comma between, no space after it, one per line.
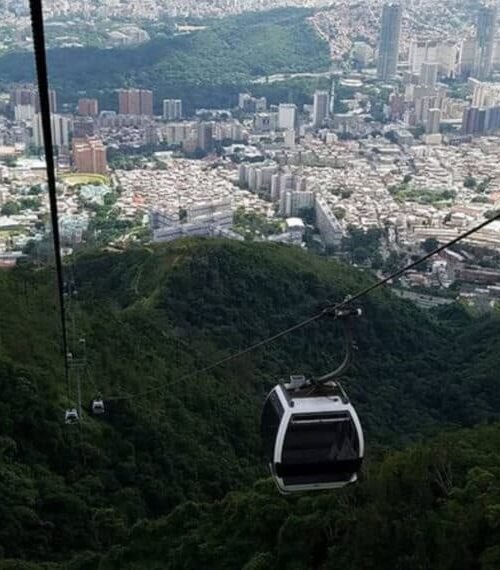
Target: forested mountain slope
(150,318)
(204,69)
(434,506)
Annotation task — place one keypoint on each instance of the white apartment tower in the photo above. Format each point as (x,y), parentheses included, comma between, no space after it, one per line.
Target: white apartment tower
(172,109)
(287,116)
(61,127)
(320,108)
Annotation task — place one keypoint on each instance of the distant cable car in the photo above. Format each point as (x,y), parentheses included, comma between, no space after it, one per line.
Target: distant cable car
(71,416)
(97,406)
(311,433)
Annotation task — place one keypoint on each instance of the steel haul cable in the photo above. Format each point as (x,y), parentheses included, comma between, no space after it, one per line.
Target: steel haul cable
(43,92)
(327,311)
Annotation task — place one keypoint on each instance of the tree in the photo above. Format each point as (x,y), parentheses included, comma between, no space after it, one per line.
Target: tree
(417,131)
(30,247)
(35,190)
(339,213)
(377,261)
(430,244)
(482,186)
(393,262)
(345,193)
(110,198)
(490,214)
(10,161)
(29,204)
(360,255)
(470,181)
(10,209)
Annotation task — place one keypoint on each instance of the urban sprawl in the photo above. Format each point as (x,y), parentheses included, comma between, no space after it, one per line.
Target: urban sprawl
(398,154)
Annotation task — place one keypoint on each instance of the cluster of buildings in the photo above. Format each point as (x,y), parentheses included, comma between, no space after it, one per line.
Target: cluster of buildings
(208,219)
(478,55)
(280,186)
(414,152)
(483,115)
(73,136)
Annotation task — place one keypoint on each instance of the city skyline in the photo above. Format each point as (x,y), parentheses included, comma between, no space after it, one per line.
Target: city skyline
(382,143)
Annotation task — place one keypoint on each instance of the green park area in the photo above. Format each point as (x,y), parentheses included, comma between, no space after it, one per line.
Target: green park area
(82,178)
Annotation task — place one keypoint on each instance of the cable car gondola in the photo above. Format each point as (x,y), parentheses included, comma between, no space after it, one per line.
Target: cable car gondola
(97,406)
(311,433)
(71,416)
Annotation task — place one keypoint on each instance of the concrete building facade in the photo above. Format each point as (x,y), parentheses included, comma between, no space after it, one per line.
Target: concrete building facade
(172,109)
(388,51)
(89,155)
(135,102)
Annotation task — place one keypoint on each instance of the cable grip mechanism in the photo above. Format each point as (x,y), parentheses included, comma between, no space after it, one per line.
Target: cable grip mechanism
(345,314)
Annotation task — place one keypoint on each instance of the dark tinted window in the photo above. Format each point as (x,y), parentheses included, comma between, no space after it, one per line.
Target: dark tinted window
(324,438)
(270,423)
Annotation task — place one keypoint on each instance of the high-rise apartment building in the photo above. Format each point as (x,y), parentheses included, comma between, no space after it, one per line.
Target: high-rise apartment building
(89,155)
(287,116)
(172,109)
(83,127)
(88,107)
(28,95)
(481,120)
(265,122)
(251,104)
(178,133)
(23,113)
(433,121)
(205,136)
(444,53)
(390,32)
(422,50)
(428,74)
(290,137)
(23,96)
(485,38)
(467,56)
(61,127)
(320,108)
(327,224)
(135,102)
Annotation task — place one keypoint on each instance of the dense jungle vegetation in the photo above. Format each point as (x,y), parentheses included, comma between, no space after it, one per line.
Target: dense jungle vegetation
(207,68)
(174,477)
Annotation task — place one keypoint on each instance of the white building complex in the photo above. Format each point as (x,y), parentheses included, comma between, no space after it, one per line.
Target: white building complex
(207,219)
(287,116)
(61,127)
(172,109)
(327,224)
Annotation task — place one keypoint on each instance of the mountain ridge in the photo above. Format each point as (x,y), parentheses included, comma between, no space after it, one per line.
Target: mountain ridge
(204,69)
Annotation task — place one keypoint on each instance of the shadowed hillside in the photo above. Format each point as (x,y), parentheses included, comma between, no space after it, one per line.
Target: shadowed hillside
(153,316)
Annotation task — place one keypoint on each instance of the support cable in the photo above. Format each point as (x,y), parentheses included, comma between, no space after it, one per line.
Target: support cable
(43,92)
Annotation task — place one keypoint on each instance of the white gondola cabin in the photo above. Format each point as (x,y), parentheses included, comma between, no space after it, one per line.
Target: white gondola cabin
(97,406)
(71,416)
(312,436)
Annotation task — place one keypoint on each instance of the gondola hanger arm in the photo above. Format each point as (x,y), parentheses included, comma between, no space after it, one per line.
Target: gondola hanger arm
(345,314)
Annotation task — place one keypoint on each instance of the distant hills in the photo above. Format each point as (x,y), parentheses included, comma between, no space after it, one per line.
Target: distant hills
(146,485)
(206,68)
